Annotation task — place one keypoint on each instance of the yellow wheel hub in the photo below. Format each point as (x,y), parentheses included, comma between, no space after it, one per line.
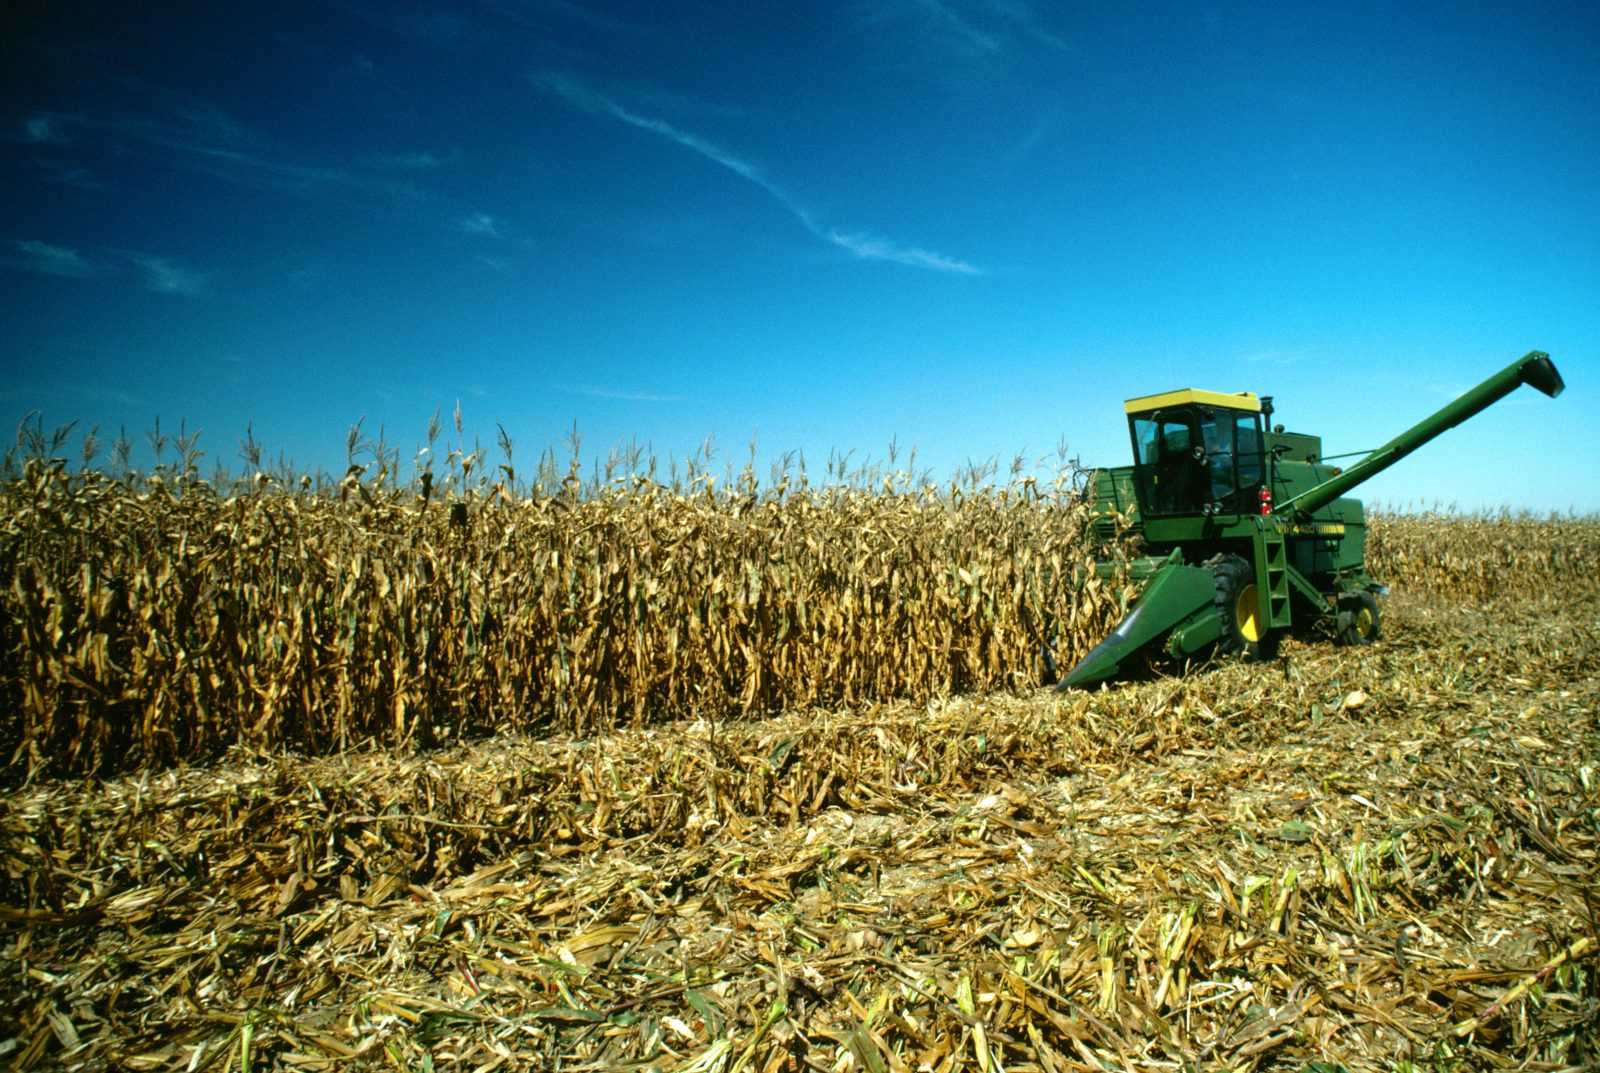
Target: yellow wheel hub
(1364,622)
(1245,611)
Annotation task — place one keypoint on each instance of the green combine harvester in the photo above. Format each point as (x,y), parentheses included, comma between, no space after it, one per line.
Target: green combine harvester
(1244,526)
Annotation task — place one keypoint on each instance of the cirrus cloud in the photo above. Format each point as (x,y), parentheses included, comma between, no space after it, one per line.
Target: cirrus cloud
(48,259)
(867,248)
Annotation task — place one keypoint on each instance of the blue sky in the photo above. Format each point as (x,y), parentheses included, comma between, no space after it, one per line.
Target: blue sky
(972,227)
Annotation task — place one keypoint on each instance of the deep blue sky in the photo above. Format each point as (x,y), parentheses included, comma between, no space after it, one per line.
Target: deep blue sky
(973,226)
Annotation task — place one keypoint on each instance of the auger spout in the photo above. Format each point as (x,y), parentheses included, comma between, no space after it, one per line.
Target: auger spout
(1535,369)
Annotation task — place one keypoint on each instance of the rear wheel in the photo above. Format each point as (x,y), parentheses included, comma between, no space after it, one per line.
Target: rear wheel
(1238,603)
(1358,622)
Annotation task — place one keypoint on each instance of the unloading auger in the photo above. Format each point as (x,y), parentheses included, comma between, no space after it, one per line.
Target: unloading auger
(1244,525)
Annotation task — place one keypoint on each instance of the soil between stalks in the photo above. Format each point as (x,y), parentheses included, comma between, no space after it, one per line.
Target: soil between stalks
(1341,857)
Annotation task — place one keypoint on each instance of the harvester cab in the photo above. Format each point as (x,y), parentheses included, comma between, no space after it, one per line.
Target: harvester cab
(1244,526)
(1196,452)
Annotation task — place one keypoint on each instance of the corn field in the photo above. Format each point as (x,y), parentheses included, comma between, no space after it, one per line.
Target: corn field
(165,617)
(1482,558)
(318,855)
(158,620)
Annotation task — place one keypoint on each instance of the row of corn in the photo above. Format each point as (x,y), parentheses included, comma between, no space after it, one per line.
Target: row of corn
(1484,557)
(147,622)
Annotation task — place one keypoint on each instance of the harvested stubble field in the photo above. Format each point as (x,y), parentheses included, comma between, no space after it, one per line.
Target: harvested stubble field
(1362,858)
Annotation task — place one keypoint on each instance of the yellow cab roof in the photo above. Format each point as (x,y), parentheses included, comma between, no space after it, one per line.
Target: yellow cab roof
(1244,400)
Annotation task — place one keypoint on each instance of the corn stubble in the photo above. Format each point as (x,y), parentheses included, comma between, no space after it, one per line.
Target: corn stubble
(1363,859)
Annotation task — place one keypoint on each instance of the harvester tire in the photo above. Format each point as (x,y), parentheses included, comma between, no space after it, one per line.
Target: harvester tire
(1233,579)
(1358,622)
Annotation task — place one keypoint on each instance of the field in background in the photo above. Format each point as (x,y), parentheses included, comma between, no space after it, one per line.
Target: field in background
(167,618)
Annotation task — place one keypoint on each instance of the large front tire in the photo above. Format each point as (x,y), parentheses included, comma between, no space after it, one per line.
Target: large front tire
(1239,609)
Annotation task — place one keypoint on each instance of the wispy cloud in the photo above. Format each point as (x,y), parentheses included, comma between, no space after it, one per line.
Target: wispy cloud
(76,177)
(948,20)
(50,260)
(164,275)
(421,161)
(203,138)
(1043,129)
(589,100)
(869,248)
(963,30)
(879,250)
(1019,15)
(625,396)
(538,14)
(1284,355)
(42,130)
(479,223)
(167,276)
(498,242)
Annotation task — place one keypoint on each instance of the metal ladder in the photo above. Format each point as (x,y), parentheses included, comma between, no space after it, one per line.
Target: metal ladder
(1272,572)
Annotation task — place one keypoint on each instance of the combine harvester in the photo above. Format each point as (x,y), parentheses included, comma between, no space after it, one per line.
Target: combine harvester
(1243,524)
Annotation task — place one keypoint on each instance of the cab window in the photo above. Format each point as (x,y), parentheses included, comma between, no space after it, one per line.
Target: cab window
(1170,446)
(1192,456)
